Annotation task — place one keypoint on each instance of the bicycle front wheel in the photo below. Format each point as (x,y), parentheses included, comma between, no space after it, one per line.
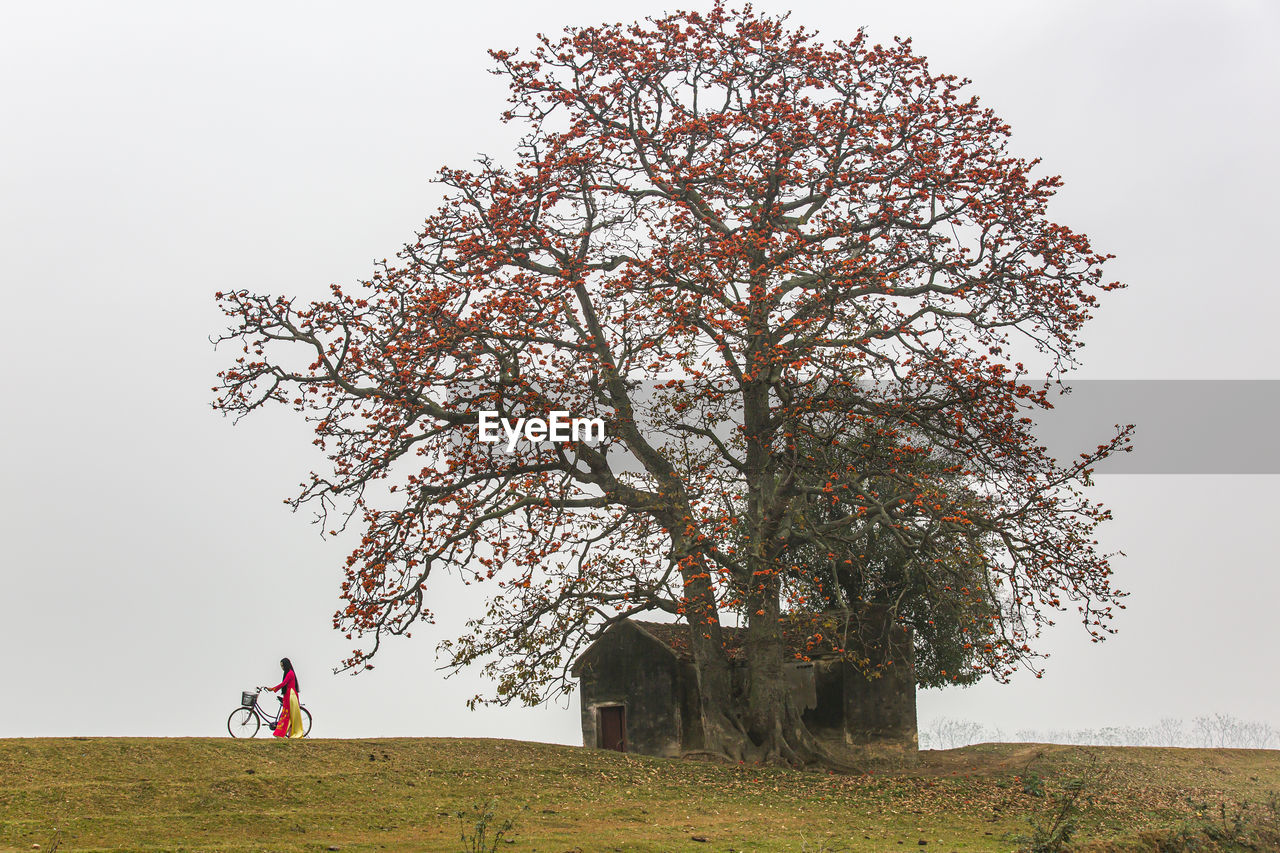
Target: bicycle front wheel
(243,722)
(306,722)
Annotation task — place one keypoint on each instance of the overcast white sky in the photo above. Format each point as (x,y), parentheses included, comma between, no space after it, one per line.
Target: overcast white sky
(153,153)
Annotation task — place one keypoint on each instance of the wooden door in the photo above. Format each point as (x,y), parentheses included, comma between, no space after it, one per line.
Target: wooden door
(612,721)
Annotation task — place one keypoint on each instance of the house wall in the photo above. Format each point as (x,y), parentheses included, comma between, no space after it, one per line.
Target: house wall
(871,718)
(880,710)
(825,716)
(880,713)
(628,668)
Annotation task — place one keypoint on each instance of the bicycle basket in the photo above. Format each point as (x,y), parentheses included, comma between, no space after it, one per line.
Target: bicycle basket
(248,699)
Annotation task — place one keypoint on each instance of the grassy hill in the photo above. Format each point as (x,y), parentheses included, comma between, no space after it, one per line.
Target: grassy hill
(406,794)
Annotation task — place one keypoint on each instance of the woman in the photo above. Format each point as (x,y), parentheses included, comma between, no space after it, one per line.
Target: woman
(290,724)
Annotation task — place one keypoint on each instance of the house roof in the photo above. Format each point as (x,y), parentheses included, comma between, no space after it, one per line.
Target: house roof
(804,636)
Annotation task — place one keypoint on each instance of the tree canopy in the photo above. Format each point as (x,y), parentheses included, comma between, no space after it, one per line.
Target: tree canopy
(930,573)
(793,279)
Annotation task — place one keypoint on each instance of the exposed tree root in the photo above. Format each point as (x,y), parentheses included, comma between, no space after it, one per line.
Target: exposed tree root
(787,743)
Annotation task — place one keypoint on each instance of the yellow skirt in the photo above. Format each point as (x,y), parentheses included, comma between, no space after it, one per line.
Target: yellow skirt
(290,724)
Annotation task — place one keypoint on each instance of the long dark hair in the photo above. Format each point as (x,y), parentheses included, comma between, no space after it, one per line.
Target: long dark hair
(288,667)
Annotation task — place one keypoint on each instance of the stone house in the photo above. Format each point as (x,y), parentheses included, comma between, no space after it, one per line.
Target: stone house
(639,689)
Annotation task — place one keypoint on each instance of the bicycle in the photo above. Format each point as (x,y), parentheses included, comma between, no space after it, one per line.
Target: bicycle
(249,717)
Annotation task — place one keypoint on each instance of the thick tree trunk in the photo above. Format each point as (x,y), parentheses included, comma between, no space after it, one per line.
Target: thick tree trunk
(761,723)
(775,723)
(767,695)
(721,716)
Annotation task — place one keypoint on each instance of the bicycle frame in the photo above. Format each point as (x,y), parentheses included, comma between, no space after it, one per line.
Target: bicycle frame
(238,721)
(266,716)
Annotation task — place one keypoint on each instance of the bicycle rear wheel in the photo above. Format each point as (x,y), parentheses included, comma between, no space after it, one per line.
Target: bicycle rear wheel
(306,722)
(243,722)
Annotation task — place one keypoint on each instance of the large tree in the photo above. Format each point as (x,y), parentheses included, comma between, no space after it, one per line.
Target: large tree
(733,243)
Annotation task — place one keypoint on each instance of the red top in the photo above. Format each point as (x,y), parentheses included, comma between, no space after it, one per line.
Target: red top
(290,683)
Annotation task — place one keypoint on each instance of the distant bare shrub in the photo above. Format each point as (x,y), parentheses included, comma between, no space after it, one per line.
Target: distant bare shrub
(947,733)
(1108,736)
(1167,732)
(1215,731)
(1227,731)
(1258,736)
(1135,736)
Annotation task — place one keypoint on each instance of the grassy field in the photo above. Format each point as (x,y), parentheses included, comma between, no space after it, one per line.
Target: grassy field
(407,794)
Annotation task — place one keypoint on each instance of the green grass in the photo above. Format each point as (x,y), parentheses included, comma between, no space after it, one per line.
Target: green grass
(405,794)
